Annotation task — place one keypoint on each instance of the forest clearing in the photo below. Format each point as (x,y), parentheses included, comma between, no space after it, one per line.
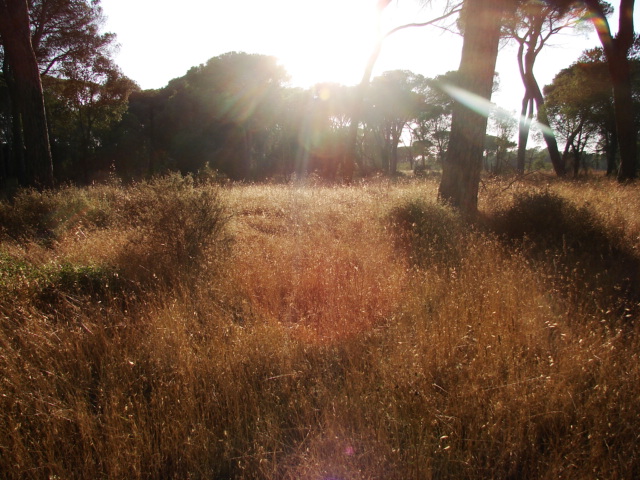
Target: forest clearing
(176,328)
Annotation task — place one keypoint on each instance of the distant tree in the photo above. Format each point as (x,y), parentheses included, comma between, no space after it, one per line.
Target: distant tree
(504,128)
(349,160)
(482,21)
(83,109)
(393,102)
(433,124)
(581,106)
(322,122)
(531,27)
(538,159)
(20,68)
(137,142)
(225,114)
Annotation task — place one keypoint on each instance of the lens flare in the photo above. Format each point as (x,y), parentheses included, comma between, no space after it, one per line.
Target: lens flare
(484,107)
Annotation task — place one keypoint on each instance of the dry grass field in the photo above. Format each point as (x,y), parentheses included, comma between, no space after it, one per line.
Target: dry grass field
(176,329)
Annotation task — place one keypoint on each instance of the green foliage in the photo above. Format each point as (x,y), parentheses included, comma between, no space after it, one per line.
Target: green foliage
(393,100)
(13,270)
(579,102)
(46,284)
(83,110)
(82,279)
(430,233)
(227,113)
(84,92)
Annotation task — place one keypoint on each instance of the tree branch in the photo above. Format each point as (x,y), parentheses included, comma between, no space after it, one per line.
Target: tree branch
(456,9)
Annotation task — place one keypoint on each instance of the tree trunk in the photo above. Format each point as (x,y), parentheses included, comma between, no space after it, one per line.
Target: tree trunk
(396,133)
(16,37)
(524,127)
(559,166)
(576,161)
(533,90)
(15,160)
(461,170)
(534,94)
(611,151)
(625,122)
(616,50)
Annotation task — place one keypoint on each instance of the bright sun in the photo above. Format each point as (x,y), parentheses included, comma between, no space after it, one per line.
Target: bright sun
(328,41)
(332,44)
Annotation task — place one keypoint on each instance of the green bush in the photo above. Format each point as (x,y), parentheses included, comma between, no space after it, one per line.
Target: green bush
(82,279)
(46,283)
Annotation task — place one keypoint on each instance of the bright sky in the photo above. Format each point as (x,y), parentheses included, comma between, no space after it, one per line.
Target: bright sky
(327,40)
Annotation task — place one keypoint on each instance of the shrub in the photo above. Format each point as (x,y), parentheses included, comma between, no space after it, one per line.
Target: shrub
(45,216)
(551,222)
(178,229)
(581,254)
(86,280)
(429,233)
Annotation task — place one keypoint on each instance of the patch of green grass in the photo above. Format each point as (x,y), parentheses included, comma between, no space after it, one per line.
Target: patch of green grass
(44,282)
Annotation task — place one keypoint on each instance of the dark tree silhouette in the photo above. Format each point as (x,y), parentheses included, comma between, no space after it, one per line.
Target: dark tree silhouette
(616,49)
(21,66)
(65,37)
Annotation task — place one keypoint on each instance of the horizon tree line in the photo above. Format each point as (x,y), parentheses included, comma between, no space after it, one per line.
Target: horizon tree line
(68,113)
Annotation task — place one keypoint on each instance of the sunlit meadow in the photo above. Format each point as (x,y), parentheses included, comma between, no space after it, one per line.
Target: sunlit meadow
(183,329)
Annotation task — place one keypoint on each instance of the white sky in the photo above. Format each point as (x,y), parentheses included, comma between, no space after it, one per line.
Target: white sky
(328,40)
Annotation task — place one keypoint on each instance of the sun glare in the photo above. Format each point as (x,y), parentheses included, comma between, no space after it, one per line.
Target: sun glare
(331,43)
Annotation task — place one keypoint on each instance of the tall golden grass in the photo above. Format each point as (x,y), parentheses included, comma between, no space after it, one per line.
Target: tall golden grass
(175,329)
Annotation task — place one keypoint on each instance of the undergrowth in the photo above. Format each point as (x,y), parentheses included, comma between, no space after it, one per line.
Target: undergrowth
(181,330)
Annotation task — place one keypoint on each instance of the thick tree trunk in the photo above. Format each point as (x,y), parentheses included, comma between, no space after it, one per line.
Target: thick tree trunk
(461,170)
(616,50)
(625,122)
(15,161)
(16,37)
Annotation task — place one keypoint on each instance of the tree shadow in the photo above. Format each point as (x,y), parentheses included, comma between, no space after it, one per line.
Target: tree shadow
(586,261)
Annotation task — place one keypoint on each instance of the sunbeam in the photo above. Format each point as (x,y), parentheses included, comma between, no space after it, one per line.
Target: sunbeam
(484,107)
